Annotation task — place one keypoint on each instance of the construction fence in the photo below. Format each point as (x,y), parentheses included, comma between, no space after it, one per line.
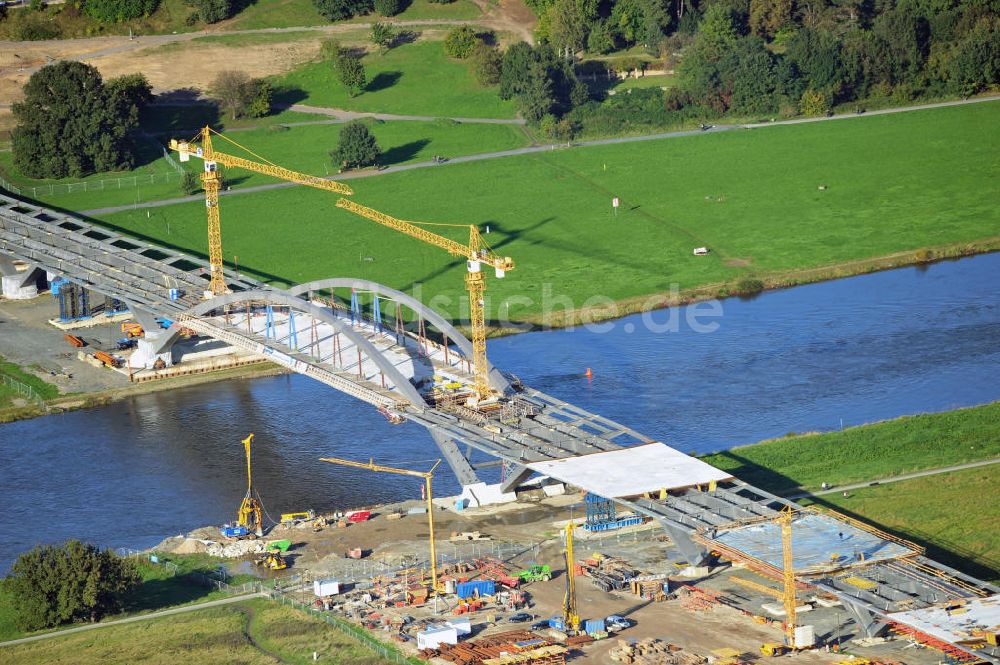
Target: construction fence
(22,389)
(55,189)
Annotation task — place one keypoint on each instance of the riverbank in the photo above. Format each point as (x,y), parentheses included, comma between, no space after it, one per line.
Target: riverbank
(99,398)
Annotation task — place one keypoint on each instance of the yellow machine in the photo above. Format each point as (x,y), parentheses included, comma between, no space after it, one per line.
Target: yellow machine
(250,512)
(272,561)
(571,617)
(133,330)
(212,183)
(476,253)
(297,517)
(427,476)
(773,649)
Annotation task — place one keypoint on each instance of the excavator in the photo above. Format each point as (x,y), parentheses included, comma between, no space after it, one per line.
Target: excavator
(272,561)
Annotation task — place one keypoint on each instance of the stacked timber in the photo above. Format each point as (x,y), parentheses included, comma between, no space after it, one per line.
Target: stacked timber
(652,651)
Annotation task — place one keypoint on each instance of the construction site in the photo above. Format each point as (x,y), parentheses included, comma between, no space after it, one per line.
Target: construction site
(598,544)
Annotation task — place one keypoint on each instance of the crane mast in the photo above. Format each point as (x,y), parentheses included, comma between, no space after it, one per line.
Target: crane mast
(212,182)
(571,616)
(476,253)
(788,565)
(428,489)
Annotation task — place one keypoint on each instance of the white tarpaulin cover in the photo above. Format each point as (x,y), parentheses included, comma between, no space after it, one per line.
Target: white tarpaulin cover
(631,471)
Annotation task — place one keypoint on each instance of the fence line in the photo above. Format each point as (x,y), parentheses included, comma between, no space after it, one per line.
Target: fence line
(22,389)
(95,185)
(9,186)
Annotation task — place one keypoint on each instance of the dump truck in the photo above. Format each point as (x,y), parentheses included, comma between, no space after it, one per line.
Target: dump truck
(133,330)
(535,574)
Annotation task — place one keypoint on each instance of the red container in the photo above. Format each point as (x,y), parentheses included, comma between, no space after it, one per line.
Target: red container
(359,516)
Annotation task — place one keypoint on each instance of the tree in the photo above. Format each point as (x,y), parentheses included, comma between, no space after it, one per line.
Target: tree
(357,147)
(116,11)
(388,7)
(73,582)
(330,50)
(975,61)
(260,100)
(351,73)
(599,41)
(382,35)
(536,100)
(566,26)
(769,16)
(213,11)
(189,183)
(339,10)
(461,41)
(517,61)
(754,80)
(235,91)
(487,62)
(71,123)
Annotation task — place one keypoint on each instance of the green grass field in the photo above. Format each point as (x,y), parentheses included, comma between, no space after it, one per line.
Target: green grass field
(294,13)
(44,389)
(894,183)
(304,148)
(250,632)
(868,452)
(412,79)
(951,514)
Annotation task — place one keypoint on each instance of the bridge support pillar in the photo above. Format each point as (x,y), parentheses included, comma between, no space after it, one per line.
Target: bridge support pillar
(516,477)
(460,466)
(155,345)
(694,553)
(18,285)
(865,619)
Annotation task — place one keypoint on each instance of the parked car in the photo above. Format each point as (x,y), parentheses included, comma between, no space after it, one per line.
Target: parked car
(520,617)
(540,625)
(615,622)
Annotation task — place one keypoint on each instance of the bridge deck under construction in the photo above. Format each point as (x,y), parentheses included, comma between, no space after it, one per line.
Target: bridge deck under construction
(404,374)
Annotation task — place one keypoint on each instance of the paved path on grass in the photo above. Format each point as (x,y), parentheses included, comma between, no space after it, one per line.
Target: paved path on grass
(895,479)
(141,617)
(531,150)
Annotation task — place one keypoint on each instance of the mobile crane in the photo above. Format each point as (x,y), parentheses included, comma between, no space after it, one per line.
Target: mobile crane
(212,183)
(426,475)
(476,253)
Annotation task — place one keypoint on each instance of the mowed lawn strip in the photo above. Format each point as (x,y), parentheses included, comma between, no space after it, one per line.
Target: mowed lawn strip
(955,515)
(295,13)
(752,197)
(304,148)
(413,79)
(868,452)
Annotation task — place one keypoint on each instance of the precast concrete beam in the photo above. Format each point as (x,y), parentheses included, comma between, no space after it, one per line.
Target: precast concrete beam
(156,343)
(459,464)
(18,284)
(518,476)
(694,553)
(865,619)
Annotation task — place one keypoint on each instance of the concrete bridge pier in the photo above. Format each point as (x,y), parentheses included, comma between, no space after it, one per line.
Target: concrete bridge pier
(157,343)
(18,285)
(865,619)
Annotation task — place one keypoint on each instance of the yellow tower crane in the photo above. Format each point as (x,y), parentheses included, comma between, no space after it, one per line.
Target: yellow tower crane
(426,475)
(201,146)
(571,616)
(788,566)
(249,514)
(476,253)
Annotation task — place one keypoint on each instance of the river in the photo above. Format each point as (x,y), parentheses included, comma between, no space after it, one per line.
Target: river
(811,358)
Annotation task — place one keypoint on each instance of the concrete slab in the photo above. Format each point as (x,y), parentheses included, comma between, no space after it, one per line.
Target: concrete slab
(632,471)
(955,624)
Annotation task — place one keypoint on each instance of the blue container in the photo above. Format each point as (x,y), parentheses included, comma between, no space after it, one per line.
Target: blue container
(234,531)
(175,294)
(557,623)
(592,626)
(475,588)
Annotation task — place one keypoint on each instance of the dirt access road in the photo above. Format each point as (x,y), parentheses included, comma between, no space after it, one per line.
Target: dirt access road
(171,65)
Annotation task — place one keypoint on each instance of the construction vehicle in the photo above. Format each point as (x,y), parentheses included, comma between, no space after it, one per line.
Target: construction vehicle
(131,330)
(570,613)
(212,182)
(774,649)
(476,253)
(272,561)
(535,574)
(125,343)
(249,522)
(427,476)
(289,518)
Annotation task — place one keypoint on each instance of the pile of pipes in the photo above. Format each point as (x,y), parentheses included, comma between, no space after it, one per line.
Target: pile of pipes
(609,573)
(235,549)
(495,646)
(652,651)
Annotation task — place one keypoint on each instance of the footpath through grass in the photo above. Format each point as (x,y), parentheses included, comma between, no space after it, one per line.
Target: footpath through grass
(868,452)
(893,183)
(955,515)
(412,79)
(250,632)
